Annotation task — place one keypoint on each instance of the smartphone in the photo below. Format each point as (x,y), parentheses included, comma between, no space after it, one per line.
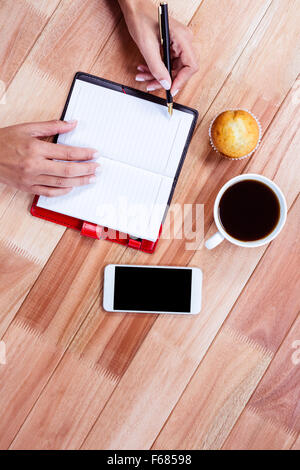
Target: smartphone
(152,289)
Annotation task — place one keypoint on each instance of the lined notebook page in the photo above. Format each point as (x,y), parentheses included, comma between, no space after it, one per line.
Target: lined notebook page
(140,148)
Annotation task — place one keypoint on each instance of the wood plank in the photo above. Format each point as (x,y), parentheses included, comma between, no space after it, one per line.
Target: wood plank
(123,333)
(41,86)
(49,324)
(21,23)
(165,347)
(182,11)
(39,315)
(53,86)
(202,162)
(218,46)
(67,43)
(32,359)
(22,257)
(268,435)
(277,396)
(271,419)
(89,345)
(296,445)
(6,196)
(66,46)
(214,397)
(54,385)
(180,343)
(236,362)
(269,313)
(92,351)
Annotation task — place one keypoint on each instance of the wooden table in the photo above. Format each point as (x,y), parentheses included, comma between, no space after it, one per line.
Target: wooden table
(77,377)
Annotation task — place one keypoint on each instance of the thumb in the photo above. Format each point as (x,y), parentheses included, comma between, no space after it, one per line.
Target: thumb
(49,128)
(157,67)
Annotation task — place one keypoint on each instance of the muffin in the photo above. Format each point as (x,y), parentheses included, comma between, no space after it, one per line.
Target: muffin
(235,134)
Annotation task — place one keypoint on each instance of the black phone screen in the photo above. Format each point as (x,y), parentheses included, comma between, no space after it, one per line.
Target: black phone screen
(152,289)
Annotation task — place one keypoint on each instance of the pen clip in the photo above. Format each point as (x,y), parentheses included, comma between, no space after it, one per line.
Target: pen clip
(159,23)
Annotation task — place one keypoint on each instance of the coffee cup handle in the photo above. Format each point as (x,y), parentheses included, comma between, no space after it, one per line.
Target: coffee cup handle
(214,241)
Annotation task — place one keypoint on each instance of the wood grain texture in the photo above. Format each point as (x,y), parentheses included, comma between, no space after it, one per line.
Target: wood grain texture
(81,378)
(67,43)
(271,419)
(195,339)
(218,45)
(215,395)
(33,360)
(212,400)
(115,353)
(41,92)
(36,315)
(20,26)
(189,341)
(296,445)
(56,318)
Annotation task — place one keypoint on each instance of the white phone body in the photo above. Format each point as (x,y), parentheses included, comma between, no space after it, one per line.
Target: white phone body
(195,289)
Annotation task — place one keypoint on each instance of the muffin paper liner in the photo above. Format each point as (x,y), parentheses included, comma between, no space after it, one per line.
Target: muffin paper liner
(226,156)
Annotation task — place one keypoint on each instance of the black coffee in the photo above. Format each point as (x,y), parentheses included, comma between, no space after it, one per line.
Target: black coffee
(249,210)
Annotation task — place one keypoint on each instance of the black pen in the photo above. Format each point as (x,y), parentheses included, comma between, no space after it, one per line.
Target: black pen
(163,20)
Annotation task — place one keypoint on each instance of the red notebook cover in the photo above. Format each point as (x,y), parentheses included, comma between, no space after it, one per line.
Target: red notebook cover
(90,229)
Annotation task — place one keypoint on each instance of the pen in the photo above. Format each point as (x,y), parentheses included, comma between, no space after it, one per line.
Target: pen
(163,21)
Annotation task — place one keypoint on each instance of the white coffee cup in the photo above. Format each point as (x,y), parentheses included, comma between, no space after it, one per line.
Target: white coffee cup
(219,236)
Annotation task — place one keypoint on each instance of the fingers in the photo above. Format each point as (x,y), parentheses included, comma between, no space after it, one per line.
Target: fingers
(66,152)
(49,192)
(184,61)
(153,85)
(144,77)
(155,64)
(49,128)
(143,68)
(182,77)
(186,66)
(68,170)
(181,74)
(60,182)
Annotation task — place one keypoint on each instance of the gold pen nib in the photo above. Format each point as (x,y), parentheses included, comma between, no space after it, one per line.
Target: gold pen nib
(170,108)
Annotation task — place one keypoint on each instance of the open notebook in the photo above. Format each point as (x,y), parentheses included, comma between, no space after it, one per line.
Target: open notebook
(141,152)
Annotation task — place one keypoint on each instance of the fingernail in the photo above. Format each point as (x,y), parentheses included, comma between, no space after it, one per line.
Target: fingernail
(96,155)
(93,180)
(175,93)
(140,68)
(151,88)
(138,78)
(165,84)
(98,170)
(72,121)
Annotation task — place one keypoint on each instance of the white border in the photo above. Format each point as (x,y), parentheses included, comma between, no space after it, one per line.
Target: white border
(109,287)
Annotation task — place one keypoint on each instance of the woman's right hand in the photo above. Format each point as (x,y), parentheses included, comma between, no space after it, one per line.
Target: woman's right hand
(29,164)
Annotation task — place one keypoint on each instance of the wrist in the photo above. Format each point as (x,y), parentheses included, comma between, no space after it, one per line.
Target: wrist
(129,6)
(135,7)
